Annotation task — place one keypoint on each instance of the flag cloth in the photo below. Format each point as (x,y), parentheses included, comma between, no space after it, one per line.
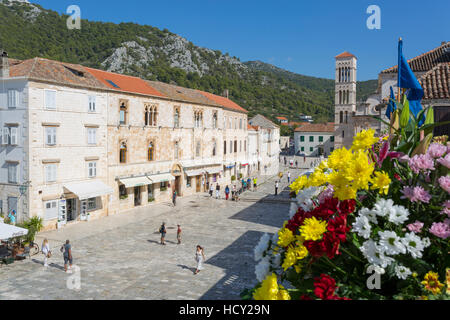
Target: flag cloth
(407,80)
(391,106)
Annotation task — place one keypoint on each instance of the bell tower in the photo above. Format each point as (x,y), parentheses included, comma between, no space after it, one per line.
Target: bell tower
(345,99)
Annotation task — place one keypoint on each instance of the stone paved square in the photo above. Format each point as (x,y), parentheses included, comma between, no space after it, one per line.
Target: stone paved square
(120,256)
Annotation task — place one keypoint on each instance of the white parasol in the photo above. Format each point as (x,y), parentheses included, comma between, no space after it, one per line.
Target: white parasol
(8,231)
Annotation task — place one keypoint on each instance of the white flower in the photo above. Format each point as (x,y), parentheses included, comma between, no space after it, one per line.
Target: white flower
(398,215)
(374,255)
(391,243)
(277,261)
(402,272)
(362,227)
(293,210)
(426,242)
(261,247)
(262,269)
(370,214)
(307,205)
(413,244)
(307,194)
(383,207)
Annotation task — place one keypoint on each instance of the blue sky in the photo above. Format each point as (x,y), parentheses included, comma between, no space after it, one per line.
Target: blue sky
(297,35)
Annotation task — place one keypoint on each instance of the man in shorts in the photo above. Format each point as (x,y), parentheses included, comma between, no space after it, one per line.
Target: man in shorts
(67,254)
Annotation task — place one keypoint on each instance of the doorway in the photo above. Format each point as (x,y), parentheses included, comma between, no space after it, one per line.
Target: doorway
(199,184)
(178,185)
(71,210)
(137,196)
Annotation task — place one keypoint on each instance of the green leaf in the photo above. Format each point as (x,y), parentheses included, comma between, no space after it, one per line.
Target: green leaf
(405,115)
(434,125)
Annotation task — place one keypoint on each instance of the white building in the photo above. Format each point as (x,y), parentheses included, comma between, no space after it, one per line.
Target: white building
(314,140)
(268,144)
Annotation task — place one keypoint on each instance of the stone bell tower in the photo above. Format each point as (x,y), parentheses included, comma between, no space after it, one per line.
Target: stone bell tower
(345,99)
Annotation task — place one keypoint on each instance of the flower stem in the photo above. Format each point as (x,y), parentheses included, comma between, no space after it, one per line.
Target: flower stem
(326,259)
(350,254)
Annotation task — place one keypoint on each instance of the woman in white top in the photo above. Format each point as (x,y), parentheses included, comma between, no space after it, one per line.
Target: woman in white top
(46,251)
(200,258)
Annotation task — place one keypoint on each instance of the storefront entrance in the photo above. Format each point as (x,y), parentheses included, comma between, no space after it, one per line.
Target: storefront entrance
(72,213)
(198,183)
(137,196)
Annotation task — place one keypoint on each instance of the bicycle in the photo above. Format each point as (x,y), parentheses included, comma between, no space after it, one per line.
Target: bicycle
(34,248)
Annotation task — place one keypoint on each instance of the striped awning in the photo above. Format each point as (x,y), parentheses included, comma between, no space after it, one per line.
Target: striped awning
(135,182)
(193,173)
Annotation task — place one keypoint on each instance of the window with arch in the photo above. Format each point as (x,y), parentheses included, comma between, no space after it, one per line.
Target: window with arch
(198,119)
(151,115)
(231,146)
(151,151)
(341,117)
(214,120)
(123,152)
(343,134)
(176,118)
(123,114)
(240,146)
(240,124)
(198,149)
(176,150)
(214,148)
(224,147)
(235,146)
(346,116)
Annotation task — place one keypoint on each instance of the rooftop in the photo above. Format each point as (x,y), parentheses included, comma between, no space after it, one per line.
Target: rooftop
(319,127)
(436,82)
(345,55)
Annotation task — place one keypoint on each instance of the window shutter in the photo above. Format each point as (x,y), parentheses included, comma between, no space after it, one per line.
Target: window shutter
(5,137)
(14,138)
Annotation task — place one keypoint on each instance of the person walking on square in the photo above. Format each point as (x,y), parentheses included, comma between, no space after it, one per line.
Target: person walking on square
(179,234)
(67,254)
(211,190)
(46,251)
(296,163)
(227,192)
(163,231)
(233,192)
(249,183)
(174,198)
(218,191)
(255,184)
(12,217)
(276,188)
(289,177)
(200,258)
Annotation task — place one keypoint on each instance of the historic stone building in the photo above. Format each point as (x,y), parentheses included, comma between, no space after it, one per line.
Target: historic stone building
(351,117)
(314,140)
(81,143)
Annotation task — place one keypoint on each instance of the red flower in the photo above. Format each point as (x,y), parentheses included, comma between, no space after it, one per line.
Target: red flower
(347,206)
(325,286)
(305,297)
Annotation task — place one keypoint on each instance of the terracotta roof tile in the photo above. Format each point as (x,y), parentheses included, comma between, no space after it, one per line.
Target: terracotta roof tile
(227,103)
(345,54)
(426,61)
(436,82)
(312,127)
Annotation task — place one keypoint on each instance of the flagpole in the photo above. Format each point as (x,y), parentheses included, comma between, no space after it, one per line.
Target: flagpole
(398,72)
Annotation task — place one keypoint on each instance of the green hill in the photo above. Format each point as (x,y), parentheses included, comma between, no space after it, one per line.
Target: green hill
(28,30)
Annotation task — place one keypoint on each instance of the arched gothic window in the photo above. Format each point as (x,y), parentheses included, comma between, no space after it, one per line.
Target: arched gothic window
(123,153)
(151,151)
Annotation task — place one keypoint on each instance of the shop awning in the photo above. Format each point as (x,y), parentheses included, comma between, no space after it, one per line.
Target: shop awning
(193,173)
(163,177)
(8,231)
(135,182)
(214,170)
(89,189)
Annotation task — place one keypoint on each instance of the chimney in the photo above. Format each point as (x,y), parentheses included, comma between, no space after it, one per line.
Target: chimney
(4,64)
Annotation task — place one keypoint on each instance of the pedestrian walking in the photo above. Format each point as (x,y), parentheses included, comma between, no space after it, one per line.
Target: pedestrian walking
(211,190)
(227,192)
(163,231)
(174,198)
(12,217)
(249,183)
(276,188)
(179,234)
(218,191)
(46,251)
(285,161)
(296,163)
(233,192)
(289,177)
(255,184)
(67,254)
(200,258)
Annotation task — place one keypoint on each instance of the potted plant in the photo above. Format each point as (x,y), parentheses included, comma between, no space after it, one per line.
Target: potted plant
(123,197)
(88,217)
(151,199)
(233,178)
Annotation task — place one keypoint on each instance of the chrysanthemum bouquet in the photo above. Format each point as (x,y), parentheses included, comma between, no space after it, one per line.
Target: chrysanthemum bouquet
(371,222)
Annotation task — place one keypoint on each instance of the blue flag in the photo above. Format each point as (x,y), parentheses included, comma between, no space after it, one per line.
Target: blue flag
(407,80)
(391,106)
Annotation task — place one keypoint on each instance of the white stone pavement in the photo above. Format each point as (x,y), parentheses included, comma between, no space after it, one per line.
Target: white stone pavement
(120,256)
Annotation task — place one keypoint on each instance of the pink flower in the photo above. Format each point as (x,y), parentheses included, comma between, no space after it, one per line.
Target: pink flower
(436,150)
(326,194)
(446,206)
(415,227)
(417,194)
(445,161)
(421,162)
(444,182)
(440,230)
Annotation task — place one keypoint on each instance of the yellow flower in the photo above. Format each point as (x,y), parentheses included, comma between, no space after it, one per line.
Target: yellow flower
(323,166)
(431,282)
(338,179)
(313,229)
(270,290)
(316,179)
(285,237)
(343,193)
(360,170)
(299,183)
(447,279)
(381,181)
(339,159)
(290,258)
(298,269)
(364,140)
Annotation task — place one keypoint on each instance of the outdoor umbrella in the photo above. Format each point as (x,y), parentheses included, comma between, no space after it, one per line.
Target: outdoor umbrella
(8,231)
